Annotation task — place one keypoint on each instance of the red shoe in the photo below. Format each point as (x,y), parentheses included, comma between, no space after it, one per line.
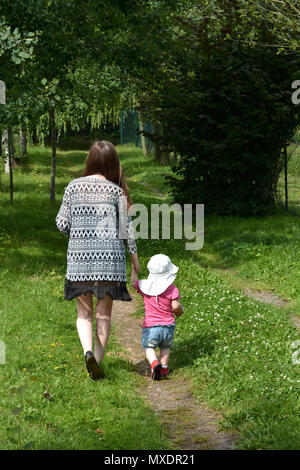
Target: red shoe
(155,370)
(164,372)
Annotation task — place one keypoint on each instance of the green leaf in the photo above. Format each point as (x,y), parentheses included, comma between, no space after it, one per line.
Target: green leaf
(44,81)
(15,59)
(55,81)
(4,36)
(24,55)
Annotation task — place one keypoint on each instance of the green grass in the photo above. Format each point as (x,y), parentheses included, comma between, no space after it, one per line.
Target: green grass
(238,353)
(234,352)
(263,252)
(145,169)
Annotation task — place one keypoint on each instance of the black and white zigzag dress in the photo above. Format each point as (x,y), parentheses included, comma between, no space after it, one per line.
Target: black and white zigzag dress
(90,216)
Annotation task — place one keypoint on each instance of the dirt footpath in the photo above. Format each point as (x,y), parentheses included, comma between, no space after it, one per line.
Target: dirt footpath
(190,425)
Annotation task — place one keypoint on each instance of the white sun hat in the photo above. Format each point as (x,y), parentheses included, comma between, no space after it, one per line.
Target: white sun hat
(162,273)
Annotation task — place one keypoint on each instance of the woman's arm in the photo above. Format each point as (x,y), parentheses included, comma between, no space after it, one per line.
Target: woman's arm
(134,277)
(134,269)
(63,218)
(135,262)
(126,227)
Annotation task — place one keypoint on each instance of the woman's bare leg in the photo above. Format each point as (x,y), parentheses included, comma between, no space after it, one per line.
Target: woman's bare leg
(84,321)
(103,321)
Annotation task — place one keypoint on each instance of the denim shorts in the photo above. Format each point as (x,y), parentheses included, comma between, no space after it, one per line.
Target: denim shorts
(158,336)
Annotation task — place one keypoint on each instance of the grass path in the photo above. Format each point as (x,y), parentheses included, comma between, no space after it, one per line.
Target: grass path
(189,425)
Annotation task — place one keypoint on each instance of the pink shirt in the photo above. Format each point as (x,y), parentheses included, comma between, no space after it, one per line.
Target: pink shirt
(159,313)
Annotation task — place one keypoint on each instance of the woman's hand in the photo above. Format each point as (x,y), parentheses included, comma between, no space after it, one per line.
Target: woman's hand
(134,277)
(135,262)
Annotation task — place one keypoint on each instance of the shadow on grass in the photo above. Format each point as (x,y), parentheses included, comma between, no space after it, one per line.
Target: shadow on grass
(40,159)
(117,364)
(185,353)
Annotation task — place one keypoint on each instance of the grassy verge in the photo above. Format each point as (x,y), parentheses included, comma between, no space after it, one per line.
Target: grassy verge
(43,353)
(260,251)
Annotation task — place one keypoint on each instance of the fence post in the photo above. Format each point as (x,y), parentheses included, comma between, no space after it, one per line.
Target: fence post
(285,177)
(136,119)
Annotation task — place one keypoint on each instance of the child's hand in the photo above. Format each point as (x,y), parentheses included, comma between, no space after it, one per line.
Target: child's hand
(178,314)
(177,308)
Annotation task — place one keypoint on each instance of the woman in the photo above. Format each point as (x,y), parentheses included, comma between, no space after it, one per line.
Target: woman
(90,214)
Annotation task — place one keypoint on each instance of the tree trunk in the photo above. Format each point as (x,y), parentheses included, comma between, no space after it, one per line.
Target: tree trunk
(164,151)
(143,138)
(10,163)
(53,159)
(157,144)
(164,154)
(6,152)
(34,138)
(1,152)
(23,142)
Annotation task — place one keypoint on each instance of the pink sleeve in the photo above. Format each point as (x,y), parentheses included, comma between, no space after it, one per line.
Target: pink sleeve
(174,294)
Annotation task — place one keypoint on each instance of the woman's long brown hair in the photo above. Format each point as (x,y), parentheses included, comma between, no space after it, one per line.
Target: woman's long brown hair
(103,158)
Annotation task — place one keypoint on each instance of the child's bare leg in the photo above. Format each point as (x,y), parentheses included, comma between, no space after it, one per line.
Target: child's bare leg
(150,355)
(164,356)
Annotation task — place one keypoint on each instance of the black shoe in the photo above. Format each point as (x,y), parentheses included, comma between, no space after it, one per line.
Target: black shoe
(93,369)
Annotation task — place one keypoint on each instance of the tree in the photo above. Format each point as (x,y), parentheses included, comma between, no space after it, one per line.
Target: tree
(75,37)
(281,19)
(226,108)
(15,49)
(23,142)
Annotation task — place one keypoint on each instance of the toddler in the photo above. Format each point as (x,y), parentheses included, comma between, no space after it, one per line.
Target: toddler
(161,303)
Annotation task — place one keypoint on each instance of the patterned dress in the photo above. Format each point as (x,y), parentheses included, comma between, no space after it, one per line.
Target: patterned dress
(93,215)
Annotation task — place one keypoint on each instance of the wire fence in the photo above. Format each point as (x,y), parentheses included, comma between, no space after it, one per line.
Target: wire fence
(288,188)
(130,127)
